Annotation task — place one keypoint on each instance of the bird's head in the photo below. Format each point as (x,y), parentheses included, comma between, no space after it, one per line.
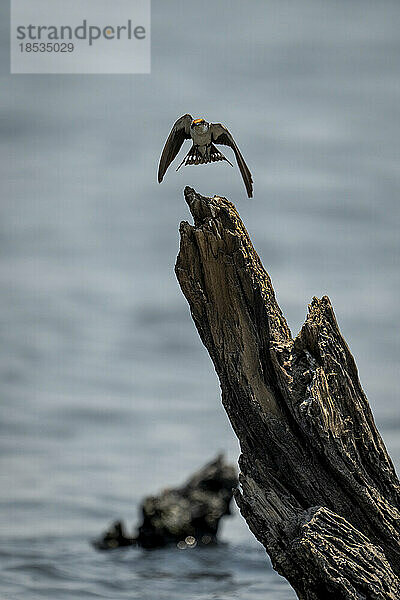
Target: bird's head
(199,124)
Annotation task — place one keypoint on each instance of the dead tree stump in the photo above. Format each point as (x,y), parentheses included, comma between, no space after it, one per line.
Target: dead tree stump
(186,516)
(318,488)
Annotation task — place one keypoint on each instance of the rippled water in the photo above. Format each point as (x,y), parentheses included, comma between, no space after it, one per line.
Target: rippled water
(55,568)
(107,392)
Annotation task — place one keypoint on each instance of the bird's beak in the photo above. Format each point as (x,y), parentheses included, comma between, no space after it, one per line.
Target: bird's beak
(196,121)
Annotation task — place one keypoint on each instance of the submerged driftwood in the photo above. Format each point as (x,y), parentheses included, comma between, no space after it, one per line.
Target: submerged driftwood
(185,516)
(318,488)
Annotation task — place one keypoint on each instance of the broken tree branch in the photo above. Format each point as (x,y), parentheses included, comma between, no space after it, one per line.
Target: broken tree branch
(318,488)
(184,516)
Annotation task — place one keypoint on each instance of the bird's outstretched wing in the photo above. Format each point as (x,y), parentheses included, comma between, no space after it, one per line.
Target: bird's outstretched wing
(179,133)
(220,135)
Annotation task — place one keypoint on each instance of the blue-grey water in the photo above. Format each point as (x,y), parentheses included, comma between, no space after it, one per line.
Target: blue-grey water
(107,393)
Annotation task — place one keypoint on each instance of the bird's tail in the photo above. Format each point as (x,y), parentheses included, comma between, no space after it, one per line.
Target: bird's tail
(194,156)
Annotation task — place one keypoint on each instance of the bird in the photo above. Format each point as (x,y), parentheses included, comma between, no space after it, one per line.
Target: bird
(204,135)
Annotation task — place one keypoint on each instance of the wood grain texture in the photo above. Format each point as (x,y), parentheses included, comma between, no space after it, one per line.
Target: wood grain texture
(318,488)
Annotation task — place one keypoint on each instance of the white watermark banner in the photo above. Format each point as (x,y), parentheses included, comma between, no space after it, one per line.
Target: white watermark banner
(80,36)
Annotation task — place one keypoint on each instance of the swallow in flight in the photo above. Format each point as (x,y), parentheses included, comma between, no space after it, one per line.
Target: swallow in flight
(203,135)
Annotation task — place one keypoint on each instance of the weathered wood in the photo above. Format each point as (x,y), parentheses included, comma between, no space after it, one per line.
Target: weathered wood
(184,516)
(318,488)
